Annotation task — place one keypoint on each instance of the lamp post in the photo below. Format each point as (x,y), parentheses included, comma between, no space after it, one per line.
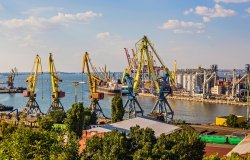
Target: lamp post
(76,84)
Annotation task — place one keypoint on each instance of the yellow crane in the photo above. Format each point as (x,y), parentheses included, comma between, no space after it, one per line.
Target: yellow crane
(145,52)
(55,80)
(32,106)
(92,81)
(173,74)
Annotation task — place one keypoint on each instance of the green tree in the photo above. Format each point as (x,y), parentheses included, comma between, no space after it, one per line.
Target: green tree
(6,129)
(233,156)
(212,157)
(72,147)
(181,145)
(26,143)
(45,123)
(141,144)
(117,110)
(89,117)
(75,119)
(232,120)
(114,146)
(57,116)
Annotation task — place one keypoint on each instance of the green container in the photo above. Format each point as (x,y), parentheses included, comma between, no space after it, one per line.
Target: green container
(214,139)
(61,126)
(234,140)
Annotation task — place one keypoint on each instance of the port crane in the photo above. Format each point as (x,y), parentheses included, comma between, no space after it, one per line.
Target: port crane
(11,78)
(56,93)
(206,82)
(32,106)
(92,81)
(245,76)
(143,48)
(174,73)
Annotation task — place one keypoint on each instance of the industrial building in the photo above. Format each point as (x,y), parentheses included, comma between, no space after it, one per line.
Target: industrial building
(213,83)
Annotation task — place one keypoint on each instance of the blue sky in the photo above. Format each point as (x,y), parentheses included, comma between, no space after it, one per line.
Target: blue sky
(197,32)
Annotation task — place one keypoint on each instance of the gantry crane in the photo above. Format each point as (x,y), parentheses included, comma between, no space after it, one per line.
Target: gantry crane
(11,78)
(132,100)
(56,93)
(213,76)
(32,106)
(92,81)
(245,76)
(161,85)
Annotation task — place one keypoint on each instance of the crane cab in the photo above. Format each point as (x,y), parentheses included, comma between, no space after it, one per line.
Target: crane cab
(97,95)
(27,93)
(61,94)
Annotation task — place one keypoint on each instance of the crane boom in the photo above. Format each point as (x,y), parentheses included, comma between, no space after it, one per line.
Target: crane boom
(85,62)
(32,78)
(128,56)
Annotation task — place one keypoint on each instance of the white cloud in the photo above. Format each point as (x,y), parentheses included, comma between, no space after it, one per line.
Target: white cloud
(217,11)
(248,10)
(182,27)
(103,35)
(180,31)
(190,10)
(27,31)
(172,24)
(206,19)
(39,10)
(232,1)
(38,23)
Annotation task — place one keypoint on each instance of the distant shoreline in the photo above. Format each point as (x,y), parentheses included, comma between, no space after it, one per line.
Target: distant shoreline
(214,101)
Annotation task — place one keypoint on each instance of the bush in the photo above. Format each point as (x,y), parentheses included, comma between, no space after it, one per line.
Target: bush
(232,121)
(57,116)
(45,123)
(6,129)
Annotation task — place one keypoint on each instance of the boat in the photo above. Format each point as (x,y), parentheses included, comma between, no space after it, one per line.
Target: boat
(5,108)
(12,90)
(112,87)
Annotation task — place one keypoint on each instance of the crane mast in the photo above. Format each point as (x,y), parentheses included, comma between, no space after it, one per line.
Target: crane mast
(56,93)
(92,81)
(32,106)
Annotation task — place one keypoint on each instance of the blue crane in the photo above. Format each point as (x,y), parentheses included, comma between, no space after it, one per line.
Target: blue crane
(132,101)
(162,107)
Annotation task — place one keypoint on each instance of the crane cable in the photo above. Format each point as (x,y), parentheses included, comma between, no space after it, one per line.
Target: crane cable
(42,86)
(82,88)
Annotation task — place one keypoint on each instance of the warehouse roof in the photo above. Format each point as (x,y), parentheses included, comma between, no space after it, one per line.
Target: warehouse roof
(144,122)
